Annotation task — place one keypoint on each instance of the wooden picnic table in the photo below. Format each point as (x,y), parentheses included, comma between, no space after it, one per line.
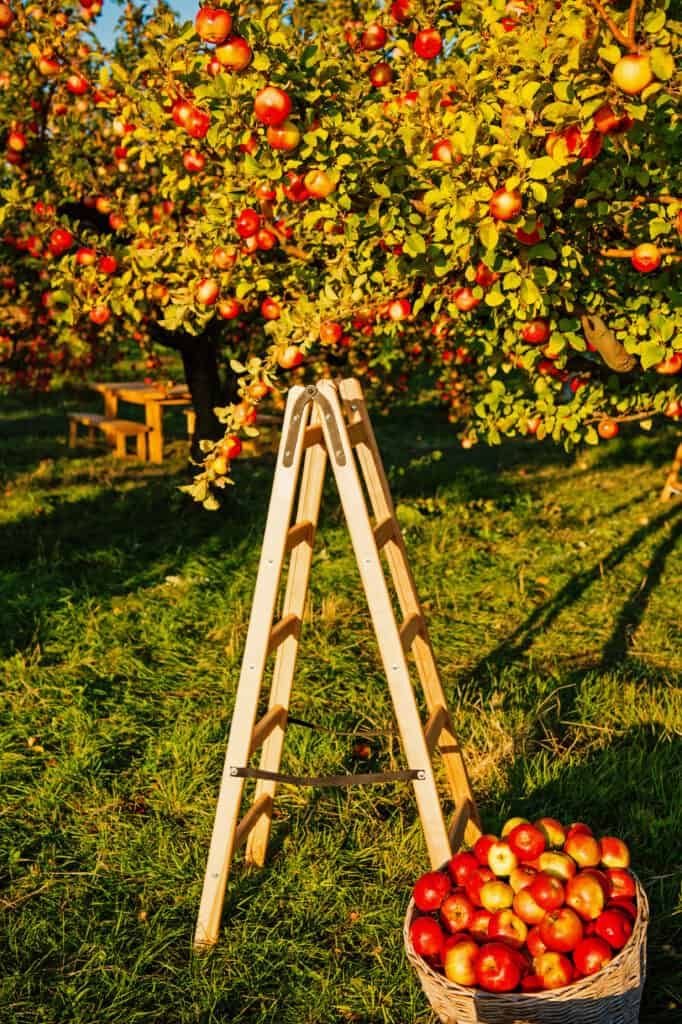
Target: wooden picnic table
(154,397)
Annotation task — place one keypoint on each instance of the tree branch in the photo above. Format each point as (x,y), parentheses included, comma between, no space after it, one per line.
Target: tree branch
(611,25)
(632,21)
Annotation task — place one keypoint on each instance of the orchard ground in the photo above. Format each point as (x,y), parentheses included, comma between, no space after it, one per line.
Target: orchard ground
(553,589)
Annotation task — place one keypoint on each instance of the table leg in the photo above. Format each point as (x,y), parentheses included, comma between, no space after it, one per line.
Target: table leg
(152,414)
(111,404)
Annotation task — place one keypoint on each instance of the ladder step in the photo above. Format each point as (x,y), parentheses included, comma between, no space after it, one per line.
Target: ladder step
(299,533)
(313,435)
(385,531)
(458,824)
(434,727)
(411,627)
(257,809)
(290,625)
(357,433)
(277,715)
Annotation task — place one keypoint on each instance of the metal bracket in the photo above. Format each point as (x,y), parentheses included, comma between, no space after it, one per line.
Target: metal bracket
(311,394)
(368,779)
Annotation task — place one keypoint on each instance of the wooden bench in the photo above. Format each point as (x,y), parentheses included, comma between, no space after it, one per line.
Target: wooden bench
(119,430)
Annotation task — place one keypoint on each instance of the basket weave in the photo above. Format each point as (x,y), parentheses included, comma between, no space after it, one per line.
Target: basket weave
(612,996)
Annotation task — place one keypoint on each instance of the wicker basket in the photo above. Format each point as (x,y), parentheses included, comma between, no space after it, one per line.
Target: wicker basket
(610,997)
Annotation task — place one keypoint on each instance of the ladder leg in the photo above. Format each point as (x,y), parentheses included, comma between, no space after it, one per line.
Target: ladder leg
(673,483)
(386,629)
(73,428)
(396,554)
(294,604)
(250,679)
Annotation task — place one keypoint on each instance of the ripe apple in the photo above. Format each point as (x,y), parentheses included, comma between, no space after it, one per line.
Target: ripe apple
(531,983)
(228,309)
(427,43)
(481,848)
(285,136)
(427,939)
(506,926)
(197,123)
(457,912)
(534,943)
(560,865)
(495,896)
(399,309)
(591,954)
(476,882)
(671,365)
(585,894)
(459,961)
(319,184)
(272,310)
(77,84)
(527,841)
(536,332)
(85,257)
(615,927)
(207,291)
(223,258)
(497,968)
(374,37)
(521,877)
(247,223)
(479,924)
(290,358)
(485,276)
(529,237)
(505,205)
(431,889)
(213,24)
(465,299)
(194,162)
(61,241)
(381,74)
(525,907)
(16,140)
(48,65)
(442,150)
(272,105)
(554,969)
(6,16)
(462,866)
(107,265)
(547,891)
(607,121)
(607,429)
(561,930)
(555,832)
(632,73)
(234,54)
(231,447)
(99,315)
(401,10)
(614,852)
(646,258)
(621,883)
(625,904)
(501,859)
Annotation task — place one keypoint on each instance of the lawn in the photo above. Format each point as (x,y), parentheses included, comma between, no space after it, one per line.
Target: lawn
(552,583)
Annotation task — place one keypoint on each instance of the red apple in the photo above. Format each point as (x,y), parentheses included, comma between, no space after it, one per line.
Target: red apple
(85,257)
(591,954)
(632,73)
(485,276)
(606,120)
(583,849)
(547,891)
(213,24)
(521,877)
(462,865)
(443,151)
(532,983)
(61,241)
(585,895)
(506,926)
(285,136)
(646,258)
(16,140)
(554,969)
(77,84)
(234,54)
(107,265)
(465,299)
(381,74)
(430,890)
(497,969)
(615,927)
(247,223)
(459,962)
(223,258)
(561,930)
(536,332)
(560,865)
(456,912)
(670,366)
(614,852)
(607,429)
(427,938)
(529,237)
(534,943)
(290,358)
(330,333)
(501,859)
(99,315)
(505,205)
(510,824)
(624,904)
(620,883)
(6,16)
(555,832)
(319,184)
(527,841)
(526,908)
(374,37)
(193,161)
(479,924)
(229,309)
(496,895)
(427,43)
(399,309)
(476,882)
(272,106)
(481,848)
(197,123)
(207,291)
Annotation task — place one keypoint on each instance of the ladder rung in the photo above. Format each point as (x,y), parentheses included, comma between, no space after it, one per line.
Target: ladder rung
(357,433)
(298,533)
(313,435)
(434,727)
(290,625)
(458,824)
(258,808)
(411,628)
(385,531)
(277,715)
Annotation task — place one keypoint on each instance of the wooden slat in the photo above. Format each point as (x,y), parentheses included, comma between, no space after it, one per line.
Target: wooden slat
(459,823)
(357,433)
(290,625)
(257,809)
(434,727)
(385,531)
(410,628)
(312,435)
(277,715)
(298,533)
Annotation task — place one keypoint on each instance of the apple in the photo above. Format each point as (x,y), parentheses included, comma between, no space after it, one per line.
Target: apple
(536,332)
(615,927)
(6,16)
(319,184)
(85,257)
(229,309)
(16,140)
(213,66)
(401,10)
(234,54)
(442,150)
(534,943)
(632,73)
(427,938)
(459,961)
(457,912)
(624,904)
(505,205)
(399,309)
(607,121)
(193,161)
(561,930)
(481,848)
(555,832)
(585,895)
(485,276)
(206,291)
(476,882)
(554,969)
(77,84)
(374,37)
(213,24)
(525,907)
(532,983)
(497,968)
(527,841)
(197,123)
(529,237)
(496,895)
(506,926)
(290,358)
(547,891)
(614,852)
(223,258)
(247,223)
(48,65)
(430,890)
(560,865)
(272,310)
(501,859)
(607,429)
(330,333)
(381,74)
(465,299)
(99,315)
(265,239)
(670,366)
(427,43)
(620,883)
(107,265)
(646,258)
(521,877)
(231,447)
(272,106)
(479,924)
(60,242)
(462,866)
(591,954)
(285,136)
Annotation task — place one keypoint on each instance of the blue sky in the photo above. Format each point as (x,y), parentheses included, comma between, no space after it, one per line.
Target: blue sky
(105,25)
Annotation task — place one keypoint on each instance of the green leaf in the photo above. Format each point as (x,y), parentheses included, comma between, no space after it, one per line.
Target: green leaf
(414,245)
(543,168)
(662,63)
(489,234)
(611,54)
(651,353)
(591,436)
(494,297)
(654,21)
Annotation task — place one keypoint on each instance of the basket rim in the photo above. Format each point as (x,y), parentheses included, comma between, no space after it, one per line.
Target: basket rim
(636,938)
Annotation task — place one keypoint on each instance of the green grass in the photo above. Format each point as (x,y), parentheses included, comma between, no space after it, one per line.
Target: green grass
(553,590)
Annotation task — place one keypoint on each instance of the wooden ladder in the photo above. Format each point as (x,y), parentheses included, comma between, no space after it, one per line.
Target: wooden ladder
(330,421)
(673,483)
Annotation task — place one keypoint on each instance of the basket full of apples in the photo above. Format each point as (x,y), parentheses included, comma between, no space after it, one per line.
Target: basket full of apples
(545,924)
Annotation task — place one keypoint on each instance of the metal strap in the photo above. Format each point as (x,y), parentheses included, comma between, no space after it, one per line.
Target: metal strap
(370,779)
(311,394)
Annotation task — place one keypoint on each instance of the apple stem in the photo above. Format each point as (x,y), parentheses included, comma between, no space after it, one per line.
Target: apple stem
(617,33)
